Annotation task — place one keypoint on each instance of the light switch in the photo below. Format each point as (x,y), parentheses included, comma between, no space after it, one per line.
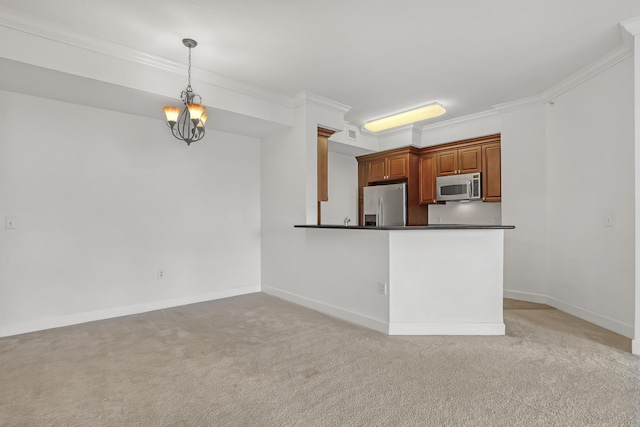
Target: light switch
(9,223)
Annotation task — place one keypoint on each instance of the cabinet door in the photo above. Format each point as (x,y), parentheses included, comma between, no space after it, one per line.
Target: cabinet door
(491,170)
(377,170)
(470,159)
(427,178)
(398,166)
(447,162)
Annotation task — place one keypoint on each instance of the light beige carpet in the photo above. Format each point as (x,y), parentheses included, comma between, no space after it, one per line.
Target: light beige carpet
(259,361)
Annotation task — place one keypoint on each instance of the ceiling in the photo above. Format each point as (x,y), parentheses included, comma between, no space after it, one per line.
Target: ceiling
(377,56)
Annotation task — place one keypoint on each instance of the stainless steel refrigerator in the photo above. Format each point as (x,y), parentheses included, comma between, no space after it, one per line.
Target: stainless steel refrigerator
(385,205)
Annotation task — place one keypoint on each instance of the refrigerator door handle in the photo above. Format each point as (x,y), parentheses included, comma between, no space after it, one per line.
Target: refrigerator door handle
(380,212)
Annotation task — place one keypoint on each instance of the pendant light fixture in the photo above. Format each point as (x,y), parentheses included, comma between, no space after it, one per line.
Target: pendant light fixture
(187,124)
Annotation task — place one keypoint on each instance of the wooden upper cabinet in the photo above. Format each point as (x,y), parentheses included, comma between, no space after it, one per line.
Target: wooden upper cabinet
(427,171)
(464,160)
(393,166)
(398,166)
(491,173)
(377,170)
(447,162)
(470,160)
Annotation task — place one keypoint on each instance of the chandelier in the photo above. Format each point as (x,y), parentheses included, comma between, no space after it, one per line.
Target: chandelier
(187,124)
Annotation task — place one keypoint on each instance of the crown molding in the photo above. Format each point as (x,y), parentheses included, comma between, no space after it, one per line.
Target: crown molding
(581,76)
(519,104)
(44,29)
(308,98)
(461,120)
(590,71)
(569,83)
(631,26)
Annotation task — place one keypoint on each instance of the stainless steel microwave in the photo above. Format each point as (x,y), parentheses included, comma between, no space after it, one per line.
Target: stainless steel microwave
(459,187)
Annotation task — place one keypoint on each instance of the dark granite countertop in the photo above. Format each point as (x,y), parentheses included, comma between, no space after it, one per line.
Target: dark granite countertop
(415,227)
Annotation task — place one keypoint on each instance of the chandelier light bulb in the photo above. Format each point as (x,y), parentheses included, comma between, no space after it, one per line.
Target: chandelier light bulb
(203,120)
(172,114)
(195,111)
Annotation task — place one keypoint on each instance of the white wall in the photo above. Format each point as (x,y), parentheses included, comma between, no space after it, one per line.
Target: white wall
(395,138)
(283,200)
(590,174)
(479,213)
(560,252)
(343,190)
(430,294)
(523,155)
(636,79)
(295,260)
(102,200)
(336,272)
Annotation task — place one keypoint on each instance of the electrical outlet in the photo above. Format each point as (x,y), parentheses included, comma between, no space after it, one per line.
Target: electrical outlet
(609,221)
(10,223)
(160,274)
(383,288)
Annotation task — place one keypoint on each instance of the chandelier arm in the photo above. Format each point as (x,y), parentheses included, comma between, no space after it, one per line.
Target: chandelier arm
(189,72)
(184,121)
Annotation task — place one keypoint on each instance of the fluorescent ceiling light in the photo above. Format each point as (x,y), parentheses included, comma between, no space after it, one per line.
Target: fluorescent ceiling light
(401,119)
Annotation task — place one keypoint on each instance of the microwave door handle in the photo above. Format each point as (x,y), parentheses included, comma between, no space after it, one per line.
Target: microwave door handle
(470,189)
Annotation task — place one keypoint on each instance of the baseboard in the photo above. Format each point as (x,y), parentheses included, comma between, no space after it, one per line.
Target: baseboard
(446,329)
(526,296)
(331,310)
(635,347)
(74,319)
(588,315)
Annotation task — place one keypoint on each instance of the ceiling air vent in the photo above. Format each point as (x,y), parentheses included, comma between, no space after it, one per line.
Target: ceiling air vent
(352,134)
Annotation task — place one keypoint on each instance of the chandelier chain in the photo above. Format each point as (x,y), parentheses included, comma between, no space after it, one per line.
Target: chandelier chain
(189,72)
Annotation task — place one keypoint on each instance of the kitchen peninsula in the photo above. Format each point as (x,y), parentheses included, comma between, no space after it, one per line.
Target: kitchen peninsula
(423,280)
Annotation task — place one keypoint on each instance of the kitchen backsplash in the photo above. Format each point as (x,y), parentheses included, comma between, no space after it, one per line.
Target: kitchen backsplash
(480,213)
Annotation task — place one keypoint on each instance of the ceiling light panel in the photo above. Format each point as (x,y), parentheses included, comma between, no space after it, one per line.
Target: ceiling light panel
(418,114)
